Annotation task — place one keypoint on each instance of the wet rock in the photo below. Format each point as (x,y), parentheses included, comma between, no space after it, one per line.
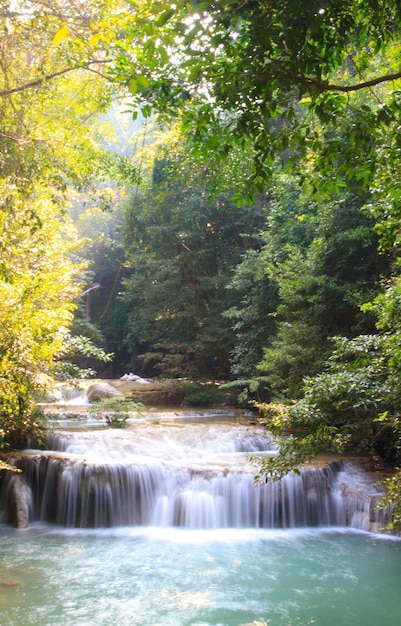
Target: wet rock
(153,393)
(20,502)
(100,391)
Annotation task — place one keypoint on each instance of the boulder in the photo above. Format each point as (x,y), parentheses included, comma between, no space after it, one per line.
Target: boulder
(20,502)
(152,392)
(100,391)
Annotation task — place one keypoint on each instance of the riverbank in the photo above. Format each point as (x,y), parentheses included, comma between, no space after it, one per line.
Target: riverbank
(147,391)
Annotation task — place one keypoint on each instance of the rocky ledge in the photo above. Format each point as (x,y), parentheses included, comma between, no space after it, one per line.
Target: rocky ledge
(150,392)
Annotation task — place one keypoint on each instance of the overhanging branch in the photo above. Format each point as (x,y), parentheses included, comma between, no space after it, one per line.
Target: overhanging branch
(49,77)
(305,80)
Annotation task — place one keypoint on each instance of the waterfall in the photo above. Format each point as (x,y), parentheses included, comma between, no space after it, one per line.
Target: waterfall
(76,494)
(188,477)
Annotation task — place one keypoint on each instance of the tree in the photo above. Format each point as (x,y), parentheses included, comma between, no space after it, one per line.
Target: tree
(50,96)
(316,264)
(252,315)
(102,315)
(182,247)
(38,284)
(354,405)
(281,77)
(321,284)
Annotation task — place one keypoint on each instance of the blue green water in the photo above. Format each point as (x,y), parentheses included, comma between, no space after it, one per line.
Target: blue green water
(173,577)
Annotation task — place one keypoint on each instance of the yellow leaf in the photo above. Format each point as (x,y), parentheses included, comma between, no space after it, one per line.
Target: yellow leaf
(94,39)
(61,34)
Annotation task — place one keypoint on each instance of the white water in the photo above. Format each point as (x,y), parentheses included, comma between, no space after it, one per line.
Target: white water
(183,537)
(190,475)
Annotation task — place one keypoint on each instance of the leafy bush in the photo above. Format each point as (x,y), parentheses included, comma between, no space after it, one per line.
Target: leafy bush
(354,406)
(196,394)
(392,499)
(116,411)
(253,390)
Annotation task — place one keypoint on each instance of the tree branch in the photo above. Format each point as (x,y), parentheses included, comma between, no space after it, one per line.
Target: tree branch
(45,79)
(304,80)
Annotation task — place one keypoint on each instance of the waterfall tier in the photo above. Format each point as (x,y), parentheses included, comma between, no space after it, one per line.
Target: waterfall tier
(193,476)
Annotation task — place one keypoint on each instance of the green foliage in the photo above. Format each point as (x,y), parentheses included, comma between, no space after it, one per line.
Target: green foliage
(37,287)
(251,317)
(323,270)
(297,442)
(196,394)
(295,451)
(76,346)
(317,262)
(253,390)
(49,100)
(117,410)
(392,499)
(350,397)
(102,315)
(18,419)
(352,407)
(292,81)
(182,246)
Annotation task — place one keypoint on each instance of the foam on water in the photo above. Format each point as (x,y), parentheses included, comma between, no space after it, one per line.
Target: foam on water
(162,525)
(177,577)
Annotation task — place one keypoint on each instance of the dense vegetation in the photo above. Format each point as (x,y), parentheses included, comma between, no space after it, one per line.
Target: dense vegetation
(246,227)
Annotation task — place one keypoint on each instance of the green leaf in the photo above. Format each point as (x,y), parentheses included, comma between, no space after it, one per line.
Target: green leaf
(158,7)
(163,54)
(149,48)
(164,17)
(133,86)
(200,7)
(142,81)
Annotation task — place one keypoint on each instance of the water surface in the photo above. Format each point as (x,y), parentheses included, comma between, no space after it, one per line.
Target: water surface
(178,577)
(222,565)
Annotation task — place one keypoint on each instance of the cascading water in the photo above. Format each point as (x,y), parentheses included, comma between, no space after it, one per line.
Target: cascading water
(195,476)
(161,524)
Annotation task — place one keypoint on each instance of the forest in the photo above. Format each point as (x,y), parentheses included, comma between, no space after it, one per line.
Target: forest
(207,190)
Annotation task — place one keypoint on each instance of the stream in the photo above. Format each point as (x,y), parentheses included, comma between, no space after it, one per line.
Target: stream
(161,523)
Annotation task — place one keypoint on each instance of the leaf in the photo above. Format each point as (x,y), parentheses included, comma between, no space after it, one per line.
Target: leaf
(157,8)
(61,34)
(142,81)
(200,7)
(164,17)
(146,110)
(163,54)
(94,39)
(149,48)
(192,33)
(136,83)
(133,86)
